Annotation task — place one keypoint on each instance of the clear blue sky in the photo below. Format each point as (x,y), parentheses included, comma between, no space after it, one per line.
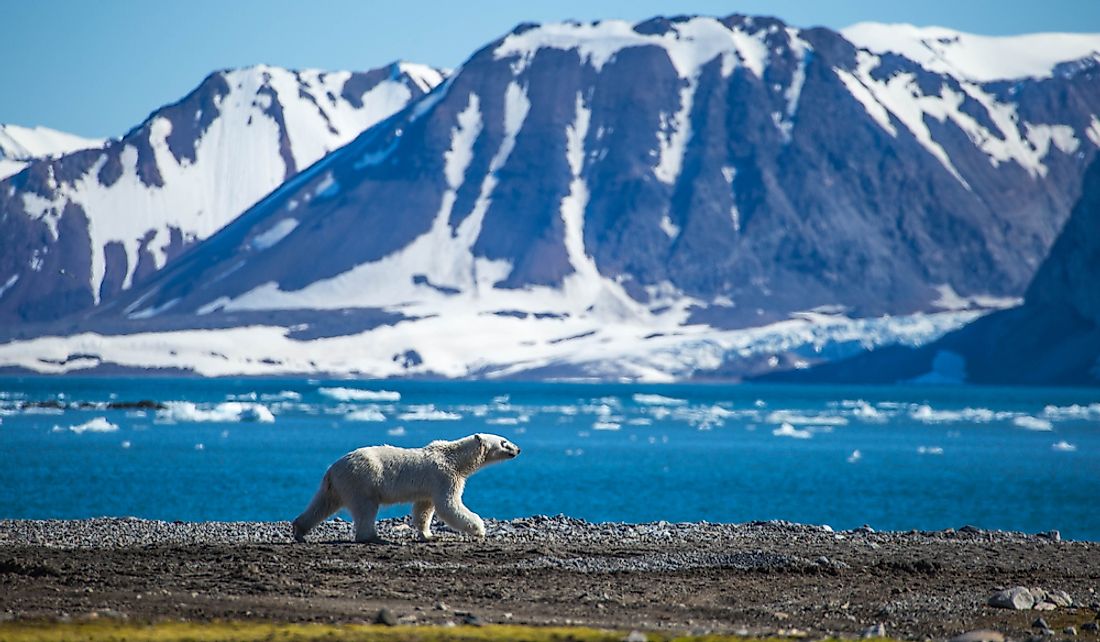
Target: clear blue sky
(97,68)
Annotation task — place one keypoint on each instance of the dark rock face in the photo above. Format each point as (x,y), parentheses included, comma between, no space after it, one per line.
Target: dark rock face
(756,184)
(1052,339)
(145,198)
(1071,274)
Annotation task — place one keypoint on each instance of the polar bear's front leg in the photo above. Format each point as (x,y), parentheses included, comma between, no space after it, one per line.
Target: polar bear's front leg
(364,512)
(422,519)
(454,514)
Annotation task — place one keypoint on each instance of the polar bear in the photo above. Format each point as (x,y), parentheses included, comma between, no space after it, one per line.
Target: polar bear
(432,478)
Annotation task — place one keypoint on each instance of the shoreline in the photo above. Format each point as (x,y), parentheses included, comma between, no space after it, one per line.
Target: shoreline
(753,579)
(130,530)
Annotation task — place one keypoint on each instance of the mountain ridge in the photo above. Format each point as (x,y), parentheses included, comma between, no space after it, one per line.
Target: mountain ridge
(176,178)
(20,145)
(770,198)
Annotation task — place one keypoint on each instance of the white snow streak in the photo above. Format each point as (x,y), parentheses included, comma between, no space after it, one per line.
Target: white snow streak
(974,57)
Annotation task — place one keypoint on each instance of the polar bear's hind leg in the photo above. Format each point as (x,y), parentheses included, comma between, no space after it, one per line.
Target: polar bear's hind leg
(365,511)
(325,502)
(422,519)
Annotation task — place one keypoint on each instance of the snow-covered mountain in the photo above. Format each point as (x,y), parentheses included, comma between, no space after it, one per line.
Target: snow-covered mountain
(77,229)
(676,198)
(20,145)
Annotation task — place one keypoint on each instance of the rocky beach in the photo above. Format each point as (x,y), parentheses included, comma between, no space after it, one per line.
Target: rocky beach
(754,579)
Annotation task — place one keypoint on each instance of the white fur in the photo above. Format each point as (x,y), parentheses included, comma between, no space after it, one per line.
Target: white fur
(430,478)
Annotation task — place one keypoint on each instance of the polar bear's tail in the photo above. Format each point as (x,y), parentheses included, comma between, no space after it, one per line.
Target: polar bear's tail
(324,503)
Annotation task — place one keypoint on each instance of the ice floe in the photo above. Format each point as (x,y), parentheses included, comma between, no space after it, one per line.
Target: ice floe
(787,430)
(99,424)
(798,419)
(370,413)
(1075,411)
(428,413)
(927,414)
(658,400)
(356,394)
(1064,446)
(1028,422)
(229,411)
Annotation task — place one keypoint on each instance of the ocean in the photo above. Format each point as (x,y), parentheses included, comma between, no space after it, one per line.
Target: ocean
(894,458)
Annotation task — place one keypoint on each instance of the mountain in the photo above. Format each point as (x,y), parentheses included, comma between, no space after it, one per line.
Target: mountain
(681,197)
(1053,338)
(77,229)
(20,145)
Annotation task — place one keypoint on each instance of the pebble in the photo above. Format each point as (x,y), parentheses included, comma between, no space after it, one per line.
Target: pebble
(1070,630)
(1018,598)
(980,635)
(469,619)
(1040,624)
(386,617)
(874,631)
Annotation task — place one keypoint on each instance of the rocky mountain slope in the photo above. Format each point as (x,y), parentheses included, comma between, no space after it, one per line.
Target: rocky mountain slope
(1053,338)
(21,145)
(674,198)
(80,228)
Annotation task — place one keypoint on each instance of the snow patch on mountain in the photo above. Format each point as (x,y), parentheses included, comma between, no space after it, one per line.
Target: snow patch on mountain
(899,98)
(976,57)
(20,145)
(690,44)
(425,77)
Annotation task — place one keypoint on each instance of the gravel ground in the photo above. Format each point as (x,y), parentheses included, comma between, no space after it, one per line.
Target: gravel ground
(757,578)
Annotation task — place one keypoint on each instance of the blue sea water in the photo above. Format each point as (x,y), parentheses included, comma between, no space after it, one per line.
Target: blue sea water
(896,458)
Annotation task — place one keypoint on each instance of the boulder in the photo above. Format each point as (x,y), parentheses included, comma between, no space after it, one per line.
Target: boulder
(1018,598)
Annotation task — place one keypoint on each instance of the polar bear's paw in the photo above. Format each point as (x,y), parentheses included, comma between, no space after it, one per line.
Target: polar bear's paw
(377,539)
(298,532)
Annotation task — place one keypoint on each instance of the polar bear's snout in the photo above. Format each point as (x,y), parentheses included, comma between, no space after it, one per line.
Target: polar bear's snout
(497,447)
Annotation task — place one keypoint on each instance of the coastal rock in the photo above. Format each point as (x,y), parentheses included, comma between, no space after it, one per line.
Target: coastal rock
(1040,623)
(1044,606)
(635,636)
(1070,630)
(875,631)
(1018,598)
(1060,598)
(386,617)
(471,619)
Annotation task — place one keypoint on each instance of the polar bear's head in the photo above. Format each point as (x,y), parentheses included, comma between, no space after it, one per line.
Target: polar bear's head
(496,448)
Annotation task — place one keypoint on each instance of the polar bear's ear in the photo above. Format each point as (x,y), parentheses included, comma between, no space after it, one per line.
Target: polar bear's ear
(479,438)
